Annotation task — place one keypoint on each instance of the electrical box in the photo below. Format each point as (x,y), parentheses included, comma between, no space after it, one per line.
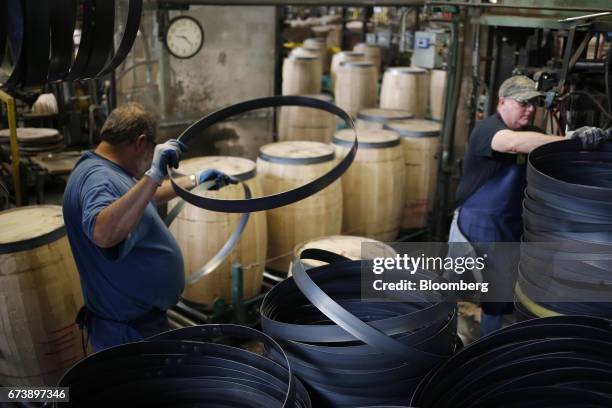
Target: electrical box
(428,46)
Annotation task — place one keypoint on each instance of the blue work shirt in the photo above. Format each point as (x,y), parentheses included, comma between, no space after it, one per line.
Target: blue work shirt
(140,274)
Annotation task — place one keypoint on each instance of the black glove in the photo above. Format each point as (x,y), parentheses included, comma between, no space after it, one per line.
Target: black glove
(591,137)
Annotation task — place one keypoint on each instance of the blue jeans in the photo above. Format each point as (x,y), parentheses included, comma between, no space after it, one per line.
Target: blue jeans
(489,323)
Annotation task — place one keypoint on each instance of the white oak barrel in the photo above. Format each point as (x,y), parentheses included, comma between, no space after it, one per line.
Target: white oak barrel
(334,36)
(356,86)
(32,141)
(405,88)
(201,233)
(287,165)
(375,118)
(320,44)
(437,93)
(310,51)
(420,140)
(301,74)
(349,246)
(301,123)
(373,54)
(305,51)
(340,57)
(40,295)
(373,187)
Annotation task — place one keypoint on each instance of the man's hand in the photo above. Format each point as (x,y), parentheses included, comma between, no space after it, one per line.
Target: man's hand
(164,154)
(591,137)
(221,179)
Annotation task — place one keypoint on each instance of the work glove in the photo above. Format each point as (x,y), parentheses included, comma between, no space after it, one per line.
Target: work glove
(221,179)
(168,153)
(591,136)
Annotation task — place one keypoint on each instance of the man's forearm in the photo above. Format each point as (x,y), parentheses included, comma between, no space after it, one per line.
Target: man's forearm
(165,192)
(509,141)
(114,223)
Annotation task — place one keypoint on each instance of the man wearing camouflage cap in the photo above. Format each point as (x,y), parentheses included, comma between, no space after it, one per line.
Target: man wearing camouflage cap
(490,193)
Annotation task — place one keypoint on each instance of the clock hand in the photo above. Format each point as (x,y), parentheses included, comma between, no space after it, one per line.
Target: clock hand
(186,39)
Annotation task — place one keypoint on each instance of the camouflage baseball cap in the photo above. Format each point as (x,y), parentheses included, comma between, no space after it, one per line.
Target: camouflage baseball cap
(520,88)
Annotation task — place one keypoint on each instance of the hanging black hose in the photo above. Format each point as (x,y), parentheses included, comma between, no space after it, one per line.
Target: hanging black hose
(185,368)
(563,361)
(352,353)
(568,206)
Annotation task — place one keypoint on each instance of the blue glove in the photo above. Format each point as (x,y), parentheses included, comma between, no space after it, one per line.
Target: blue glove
(165,154)
(590,136)
(221,179)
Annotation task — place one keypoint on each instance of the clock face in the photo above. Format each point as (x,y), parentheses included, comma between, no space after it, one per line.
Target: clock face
(184,37)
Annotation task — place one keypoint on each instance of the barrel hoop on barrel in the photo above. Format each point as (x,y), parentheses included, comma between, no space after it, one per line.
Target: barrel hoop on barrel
(366,145)
(412,133)
(357,64)
(298,161)
(381,118)
(32,243)
(302,58)
(406,71)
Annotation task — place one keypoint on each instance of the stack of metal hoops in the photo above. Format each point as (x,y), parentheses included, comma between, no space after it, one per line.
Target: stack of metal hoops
(39,34)
(562,361)
(352,353)
(186,368)
(566,266)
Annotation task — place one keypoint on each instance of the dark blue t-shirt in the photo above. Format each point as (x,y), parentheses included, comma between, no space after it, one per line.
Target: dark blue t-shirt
(481,163)
(142,273)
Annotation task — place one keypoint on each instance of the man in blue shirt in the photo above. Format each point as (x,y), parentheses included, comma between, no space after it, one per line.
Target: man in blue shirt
(130,266)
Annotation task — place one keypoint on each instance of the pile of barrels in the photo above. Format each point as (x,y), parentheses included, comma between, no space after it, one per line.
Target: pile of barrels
(389,187)
(391,184)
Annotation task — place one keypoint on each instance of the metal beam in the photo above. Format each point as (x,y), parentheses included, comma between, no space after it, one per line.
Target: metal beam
(512,6)
(362,3)
(339,3)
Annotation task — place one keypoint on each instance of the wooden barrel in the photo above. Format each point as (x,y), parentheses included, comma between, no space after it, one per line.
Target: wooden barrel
(320,44)
(287,165)
(405,88)
(340,57)
(300,123)
(356,86)
(32,141)
(201,233)
(373,54)
(420,141)
(346,245)
(40,296)
(437,93)
(301,75)
(306,52)
(334,36)
(373,187)
(375,118)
